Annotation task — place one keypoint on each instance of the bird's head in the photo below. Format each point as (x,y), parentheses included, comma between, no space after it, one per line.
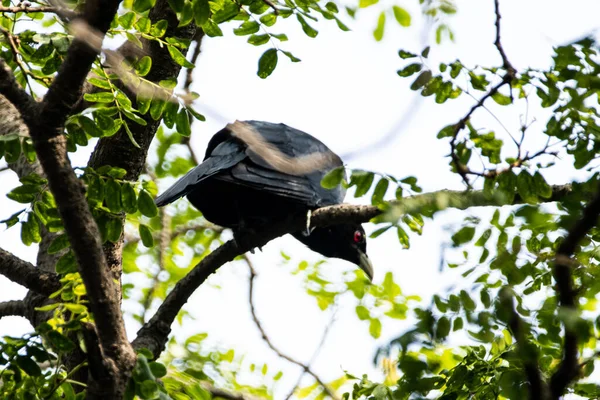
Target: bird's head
(345,241)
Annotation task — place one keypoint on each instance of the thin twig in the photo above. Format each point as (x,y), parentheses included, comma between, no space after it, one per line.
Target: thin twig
(305,367)
(505,63)
(315,354)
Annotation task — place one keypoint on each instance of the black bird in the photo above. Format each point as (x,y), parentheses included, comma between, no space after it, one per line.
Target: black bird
(263,172)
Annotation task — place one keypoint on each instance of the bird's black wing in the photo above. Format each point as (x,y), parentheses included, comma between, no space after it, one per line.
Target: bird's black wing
(257,173)
(224,156)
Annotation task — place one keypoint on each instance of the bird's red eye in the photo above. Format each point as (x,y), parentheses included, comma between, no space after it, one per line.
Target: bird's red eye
(358,236)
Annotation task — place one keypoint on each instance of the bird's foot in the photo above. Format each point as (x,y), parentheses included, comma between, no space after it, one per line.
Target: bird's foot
(242,236)
(308,229)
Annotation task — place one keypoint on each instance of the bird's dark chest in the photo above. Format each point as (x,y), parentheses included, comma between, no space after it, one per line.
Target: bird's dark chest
(228,204)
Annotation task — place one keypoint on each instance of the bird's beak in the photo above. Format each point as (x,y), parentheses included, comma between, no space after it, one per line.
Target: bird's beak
(365,265)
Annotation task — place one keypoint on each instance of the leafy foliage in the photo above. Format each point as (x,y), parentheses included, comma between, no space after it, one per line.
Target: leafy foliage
(505,261)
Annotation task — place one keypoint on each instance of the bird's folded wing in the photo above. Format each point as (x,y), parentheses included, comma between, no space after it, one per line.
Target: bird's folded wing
(226,155)
(295,188)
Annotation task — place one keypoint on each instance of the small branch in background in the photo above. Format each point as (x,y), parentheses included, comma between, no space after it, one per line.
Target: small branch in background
(305,367)
(315,354)
(63,13)
(12,42)
(462,169)
(193,59)
(505,63)
(12,308)
(567,295)
(218,393)
(528,354)
(272,5)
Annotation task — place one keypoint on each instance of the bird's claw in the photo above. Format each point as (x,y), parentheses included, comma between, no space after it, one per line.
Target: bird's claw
(308,230)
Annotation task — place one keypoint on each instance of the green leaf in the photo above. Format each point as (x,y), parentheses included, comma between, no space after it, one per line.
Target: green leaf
(159,29)
(525,187)
(24,194)
(158,370)
(308,30)
(60,341)
(178,57)
(362,180)
(12,150)
(380,191)
(406,54)
(291,56)
(146,236)
(402,16)
(212,29)
(112,195)
(143,66)
(128,198)
(363,313)
(403,237)
(130,134)
(375,328)
(379,30)
(30,230)
(177,5)
(59,243)
(267,63)
(99,97)
(140,6)
(423,79)
(443,328)
(183,123)
(126,20)
(247,28)
(114,228)
(258,40)
(28,365)
(541,187)
(464,235)
(268,19)
(367,3)
(201,11)
(501,99)
(186,15)
(66,264)
(146,204)
(333,178)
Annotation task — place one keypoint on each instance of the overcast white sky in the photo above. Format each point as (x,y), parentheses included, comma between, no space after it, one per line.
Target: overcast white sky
(345,92)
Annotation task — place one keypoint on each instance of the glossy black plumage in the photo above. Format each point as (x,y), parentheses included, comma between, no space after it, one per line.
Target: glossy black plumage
(237,188)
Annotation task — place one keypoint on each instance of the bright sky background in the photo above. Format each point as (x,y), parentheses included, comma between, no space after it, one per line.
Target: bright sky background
(345,92)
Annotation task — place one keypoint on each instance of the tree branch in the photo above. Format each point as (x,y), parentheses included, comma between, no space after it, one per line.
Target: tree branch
(567,296)
(22,101)
(80,226)
(505,63)
(22,7)
(154,334)
(305,367)
(527,353)
(219,393)
(26,274)
(12,308)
